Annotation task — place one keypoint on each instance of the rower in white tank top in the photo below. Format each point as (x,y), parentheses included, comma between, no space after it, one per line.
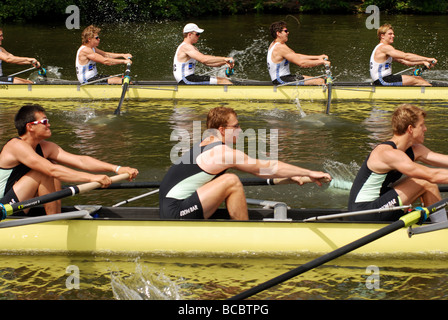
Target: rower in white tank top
(277,70)
(87,71)
(379,70)
(183,69)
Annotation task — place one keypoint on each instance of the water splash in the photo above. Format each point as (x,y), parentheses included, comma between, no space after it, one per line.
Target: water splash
(144,284)
(342,174)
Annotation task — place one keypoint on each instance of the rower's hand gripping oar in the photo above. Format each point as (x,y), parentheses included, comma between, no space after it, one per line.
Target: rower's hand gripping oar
(9,209)
(419,71)
(126,81)
(405,221)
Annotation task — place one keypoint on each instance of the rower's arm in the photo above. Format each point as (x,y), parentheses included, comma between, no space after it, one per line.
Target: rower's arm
(10,58)
(430,157)
(302,60)
(406,58)
(102,57)
(208,60)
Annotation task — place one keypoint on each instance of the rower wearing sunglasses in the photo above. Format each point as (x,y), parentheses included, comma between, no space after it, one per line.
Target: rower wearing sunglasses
(10,58)
(89,54)
(31,166)
(280,56)
(187,55)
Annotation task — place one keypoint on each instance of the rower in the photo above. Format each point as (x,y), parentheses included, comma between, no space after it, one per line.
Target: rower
(187,55)
(89,54)
(378,183)
(280,55)
(383,55)
(196,185)
(10,58)
(32,166)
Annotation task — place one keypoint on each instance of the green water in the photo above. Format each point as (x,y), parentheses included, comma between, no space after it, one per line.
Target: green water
(140,137)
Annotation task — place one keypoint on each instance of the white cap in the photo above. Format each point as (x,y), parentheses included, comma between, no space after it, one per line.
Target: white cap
(191,27)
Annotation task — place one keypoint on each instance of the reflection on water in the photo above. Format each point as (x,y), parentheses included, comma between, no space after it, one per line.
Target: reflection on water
(211,278)
(337,143)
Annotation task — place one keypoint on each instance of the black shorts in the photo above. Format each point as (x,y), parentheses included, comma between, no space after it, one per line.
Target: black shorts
(190,208)
(392,80)
(10,197)
(389,199)
(6,80)
(97,77)
(289,78)
(195,79)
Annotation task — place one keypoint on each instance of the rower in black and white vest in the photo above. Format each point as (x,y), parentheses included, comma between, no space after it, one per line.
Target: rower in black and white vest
(384,54)
(391,175)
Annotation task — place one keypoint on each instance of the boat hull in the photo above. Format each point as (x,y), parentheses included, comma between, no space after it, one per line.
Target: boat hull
(154,236)
(251,92)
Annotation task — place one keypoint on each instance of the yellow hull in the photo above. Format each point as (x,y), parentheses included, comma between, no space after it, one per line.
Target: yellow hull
(212,237)
(157,90)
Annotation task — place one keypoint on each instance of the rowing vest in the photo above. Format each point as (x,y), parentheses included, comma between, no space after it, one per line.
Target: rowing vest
(369,186)
(85,72)
(183,69)
(185,176)
(277,70)
(379,70)
(8,177)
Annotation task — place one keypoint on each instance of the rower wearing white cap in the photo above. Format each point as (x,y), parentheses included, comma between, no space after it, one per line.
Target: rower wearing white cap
(187,55)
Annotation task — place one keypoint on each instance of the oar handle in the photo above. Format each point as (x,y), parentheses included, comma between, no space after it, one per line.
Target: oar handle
(9,209)
(303,180)
(95,185)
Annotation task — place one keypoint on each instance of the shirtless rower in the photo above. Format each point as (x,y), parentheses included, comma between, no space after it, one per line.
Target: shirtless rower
(280,55)
(383,55)
(10,58)
(89,54)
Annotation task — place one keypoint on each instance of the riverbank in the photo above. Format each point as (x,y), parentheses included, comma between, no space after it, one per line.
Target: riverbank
(159,10)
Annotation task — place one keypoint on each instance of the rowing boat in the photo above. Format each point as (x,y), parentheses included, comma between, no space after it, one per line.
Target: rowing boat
(140,230)
(252,91)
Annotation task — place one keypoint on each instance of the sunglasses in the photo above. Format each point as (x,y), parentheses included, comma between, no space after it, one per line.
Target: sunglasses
(97,38)
(43,121)
(285,30)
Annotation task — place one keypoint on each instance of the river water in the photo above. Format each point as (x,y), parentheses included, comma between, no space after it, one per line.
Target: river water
(140,137)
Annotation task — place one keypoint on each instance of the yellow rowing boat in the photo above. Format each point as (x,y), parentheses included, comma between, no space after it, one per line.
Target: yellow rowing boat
(252,91)
(140,230)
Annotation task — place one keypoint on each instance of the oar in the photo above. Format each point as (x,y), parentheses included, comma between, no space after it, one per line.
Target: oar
(245,181)
(126,81)
(41,71)
(9,209)
(47,218)
(329,83)
(405,221)
(354,213)
(23,71)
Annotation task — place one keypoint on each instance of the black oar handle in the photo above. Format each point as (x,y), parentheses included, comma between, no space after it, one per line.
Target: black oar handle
(8,209)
